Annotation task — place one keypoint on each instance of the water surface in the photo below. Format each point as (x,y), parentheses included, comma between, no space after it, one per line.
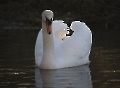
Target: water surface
(17,67)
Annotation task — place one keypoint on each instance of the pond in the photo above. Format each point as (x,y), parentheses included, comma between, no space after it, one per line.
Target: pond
(17,67)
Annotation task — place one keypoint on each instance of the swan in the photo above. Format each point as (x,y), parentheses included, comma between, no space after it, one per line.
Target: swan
(54,50)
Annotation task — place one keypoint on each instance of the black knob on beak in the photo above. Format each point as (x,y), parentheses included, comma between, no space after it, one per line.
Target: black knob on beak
(49,21)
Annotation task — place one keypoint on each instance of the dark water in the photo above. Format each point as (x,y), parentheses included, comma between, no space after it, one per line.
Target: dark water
(17,67)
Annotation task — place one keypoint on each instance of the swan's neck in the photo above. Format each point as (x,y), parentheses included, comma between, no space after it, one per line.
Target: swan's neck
(48,46)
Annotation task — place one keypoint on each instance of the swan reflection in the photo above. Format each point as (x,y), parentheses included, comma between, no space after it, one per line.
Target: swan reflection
(77,77)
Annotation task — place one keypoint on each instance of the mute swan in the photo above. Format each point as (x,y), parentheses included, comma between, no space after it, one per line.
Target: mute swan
(52,52)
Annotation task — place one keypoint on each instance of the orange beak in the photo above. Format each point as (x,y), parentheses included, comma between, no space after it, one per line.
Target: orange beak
(49,28)
(48,25)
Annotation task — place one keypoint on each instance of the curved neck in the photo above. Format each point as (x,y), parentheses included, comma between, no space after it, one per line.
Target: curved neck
(48,44)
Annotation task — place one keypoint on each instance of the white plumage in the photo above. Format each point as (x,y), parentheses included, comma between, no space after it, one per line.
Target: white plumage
(56,50)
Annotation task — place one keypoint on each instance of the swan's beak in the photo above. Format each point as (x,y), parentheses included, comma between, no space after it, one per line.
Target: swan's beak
(48,26)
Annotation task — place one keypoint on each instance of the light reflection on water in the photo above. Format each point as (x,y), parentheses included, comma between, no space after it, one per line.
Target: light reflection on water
(77,77)
(17,67)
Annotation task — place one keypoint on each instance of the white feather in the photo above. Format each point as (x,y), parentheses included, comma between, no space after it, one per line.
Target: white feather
(73,51)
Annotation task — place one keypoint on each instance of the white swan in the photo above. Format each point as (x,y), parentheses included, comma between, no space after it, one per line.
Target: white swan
(51,52)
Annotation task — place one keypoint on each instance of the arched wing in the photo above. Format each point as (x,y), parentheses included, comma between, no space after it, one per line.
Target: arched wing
(79,44)
(59,31)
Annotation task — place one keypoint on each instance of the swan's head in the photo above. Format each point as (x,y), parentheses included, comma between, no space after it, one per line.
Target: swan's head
(47,18)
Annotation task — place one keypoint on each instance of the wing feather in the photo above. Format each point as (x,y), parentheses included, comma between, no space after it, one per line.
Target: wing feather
(79,44)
